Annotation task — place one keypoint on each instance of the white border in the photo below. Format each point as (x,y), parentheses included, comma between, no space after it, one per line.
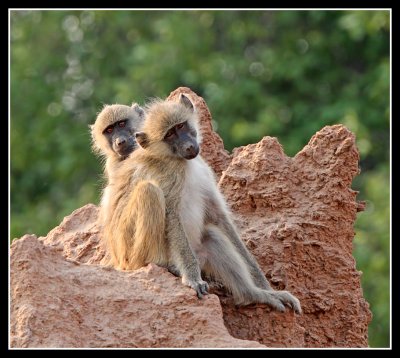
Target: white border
(191,9)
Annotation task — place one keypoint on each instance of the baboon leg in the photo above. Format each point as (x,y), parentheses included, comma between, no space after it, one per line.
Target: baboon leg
(141,228)
(221,217)
(227,265)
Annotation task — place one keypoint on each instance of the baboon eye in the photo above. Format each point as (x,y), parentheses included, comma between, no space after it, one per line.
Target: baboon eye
(109,129)
(180,125)
(122,123)
(170,133)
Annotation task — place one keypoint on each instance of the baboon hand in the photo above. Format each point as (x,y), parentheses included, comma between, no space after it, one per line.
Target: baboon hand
(288,299)
(200,286)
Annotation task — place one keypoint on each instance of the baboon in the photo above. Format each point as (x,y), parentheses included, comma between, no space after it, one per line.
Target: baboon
(113,138)
(165,208)
(113,133)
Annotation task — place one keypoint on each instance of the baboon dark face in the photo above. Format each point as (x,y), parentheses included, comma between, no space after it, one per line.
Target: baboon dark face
(182,140)
(121,137)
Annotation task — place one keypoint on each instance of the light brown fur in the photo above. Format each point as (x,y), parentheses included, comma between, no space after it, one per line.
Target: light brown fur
(101,145)
(168,210)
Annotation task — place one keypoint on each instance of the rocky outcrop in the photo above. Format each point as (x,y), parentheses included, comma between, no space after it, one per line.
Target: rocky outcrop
(296,216)
(57,302)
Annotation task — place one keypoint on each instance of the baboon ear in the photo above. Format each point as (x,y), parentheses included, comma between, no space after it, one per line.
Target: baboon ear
(142,139)
(186,102)
(139,110)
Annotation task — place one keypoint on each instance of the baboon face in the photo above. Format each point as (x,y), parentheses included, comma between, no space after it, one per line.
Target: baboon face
(170,129)
(121,137)
(182,141)
(113,133)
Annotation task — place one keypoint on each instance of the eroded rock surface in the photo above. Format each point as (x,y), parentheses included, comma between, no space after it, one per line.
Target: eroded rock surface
(296,216)
(61,303)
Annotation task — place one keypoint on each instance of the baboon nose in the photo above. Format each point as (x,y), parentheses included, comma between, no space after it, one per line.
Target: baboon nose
(120,142)
(192,151)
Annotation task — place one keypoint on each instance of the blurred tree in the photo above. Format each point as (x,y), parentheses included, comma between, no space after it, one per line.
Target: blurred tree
(277,73)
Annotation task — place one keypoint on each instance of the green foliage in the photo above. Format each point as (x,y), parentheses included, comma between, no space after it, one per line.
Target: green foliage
(279,73)
(372,249)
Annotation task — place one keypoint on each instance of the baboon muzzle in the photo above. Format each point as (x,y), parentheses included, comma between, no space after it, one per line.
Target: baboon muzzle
(191,151)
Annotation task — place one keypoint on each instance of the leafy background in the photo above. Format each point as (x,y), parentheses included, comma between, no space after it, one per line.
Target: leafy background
(279,73)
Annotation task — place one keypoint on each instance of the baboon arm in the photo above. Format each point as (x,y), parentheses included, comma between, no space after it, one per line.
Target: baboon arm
(182,255)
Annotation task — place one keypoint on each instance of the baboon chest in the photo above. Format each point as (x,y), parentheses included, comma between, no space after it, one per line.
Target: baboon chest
(192,204)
